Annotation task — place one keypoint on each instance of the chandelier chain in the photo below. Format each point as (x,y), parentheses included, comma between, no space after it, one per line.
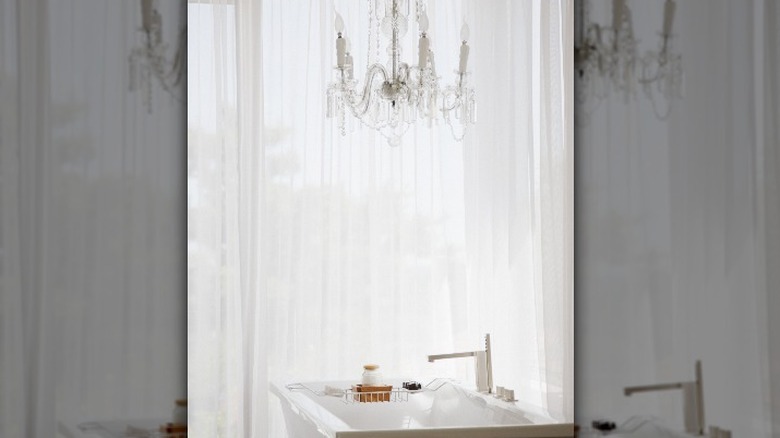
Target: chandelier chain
(370,28)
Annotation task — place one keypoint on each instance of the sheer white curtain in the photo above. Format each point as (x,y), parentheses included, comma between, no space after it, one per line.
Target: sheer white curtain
(91,247)
(672,229)
(311,253)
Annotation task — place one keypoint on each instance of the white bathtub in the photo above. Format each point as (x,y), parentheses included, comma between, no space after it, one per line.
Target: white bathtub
(444,410)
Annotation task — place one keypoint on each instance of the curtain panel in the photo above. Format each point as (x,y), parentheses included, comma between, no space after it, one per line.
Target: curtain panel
(312,253)
(91,186)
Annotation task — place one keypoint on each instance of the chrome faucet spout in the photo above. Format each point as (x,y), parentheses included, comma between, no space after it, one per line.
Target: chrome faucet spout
(693,393)
(647,388)
(482,361)
(435,357)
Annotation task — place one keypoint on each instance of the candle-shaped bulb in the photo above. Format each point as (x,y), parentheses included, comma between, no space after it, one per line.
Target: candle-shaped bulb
(338,23)
(669,8)
(464,32)
(617,14)
(423,22)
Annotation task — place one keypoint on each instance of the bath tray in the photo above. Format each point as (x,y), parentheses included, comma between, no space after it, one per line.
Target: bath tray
(390,393)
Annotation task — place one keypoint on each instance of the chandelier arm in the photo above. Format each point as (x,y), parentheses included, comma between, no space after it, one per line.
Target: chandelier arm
(403,72)
(444,106)
(646,78)
(414,76)
(659,61)
(360,106)
(449,93)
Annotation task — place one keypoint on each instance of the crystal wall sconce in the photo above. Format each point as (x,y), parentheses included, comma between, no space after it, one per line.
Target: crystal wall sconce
(606,60)
(149,63)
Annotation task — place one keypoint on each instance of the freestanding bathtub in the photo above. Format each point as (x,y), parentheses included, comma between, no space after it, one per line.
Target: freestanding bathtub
(442,409)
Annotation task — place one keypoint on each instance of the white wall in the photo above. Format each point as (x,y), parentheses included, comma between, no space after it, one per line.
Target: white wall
(669,249)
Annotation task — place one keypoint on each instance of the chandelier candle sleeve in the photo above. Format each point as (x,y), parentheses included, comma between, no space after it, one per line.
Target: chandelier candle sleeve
(464,48)
(341,43)
(341,51)
(617,14)
(350,66)
(464,57)
(423,48)
(348,58)
(669,8)
(146,14)
(424,44)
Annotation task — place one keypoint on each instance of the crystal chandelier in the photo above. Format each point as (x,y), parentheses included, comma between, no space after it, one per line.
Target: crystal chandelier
(148,63)
(394,96)
(606,60)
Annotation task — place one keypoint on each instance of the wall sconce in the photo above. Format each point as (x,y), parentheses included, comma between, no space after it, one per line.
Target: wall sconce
(148,63)
(606,60)
(662,72)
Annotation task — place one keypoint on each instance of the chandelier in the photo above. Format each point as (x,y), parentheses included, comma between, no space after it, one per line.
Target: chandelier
(606,60)
(148,62)
(394,96)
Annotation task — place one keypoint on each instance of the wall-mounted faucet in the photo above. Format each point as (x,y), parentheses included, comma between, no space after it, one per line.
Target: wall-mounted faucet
(694,399)
(483,365)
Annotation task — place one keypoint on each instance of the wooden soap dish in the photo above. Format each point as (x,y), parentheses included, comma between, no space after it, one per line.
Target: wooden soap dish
(372,393)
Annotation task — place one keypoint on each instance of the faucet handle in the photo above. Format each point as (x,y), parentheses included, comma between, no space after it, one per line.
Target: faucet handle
(509,395)
(716,432)
(481,368)
(489,363)
(505,394)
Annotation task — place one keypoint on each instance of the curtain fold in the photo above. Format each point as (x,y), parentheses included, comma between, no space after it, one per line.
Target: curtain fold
(312,253)
(767,93)
(11,328)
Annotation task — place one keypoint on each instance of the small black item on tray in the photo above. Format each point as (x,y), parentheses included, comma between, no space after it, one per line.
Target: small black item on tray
(412,386)
(603,425)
